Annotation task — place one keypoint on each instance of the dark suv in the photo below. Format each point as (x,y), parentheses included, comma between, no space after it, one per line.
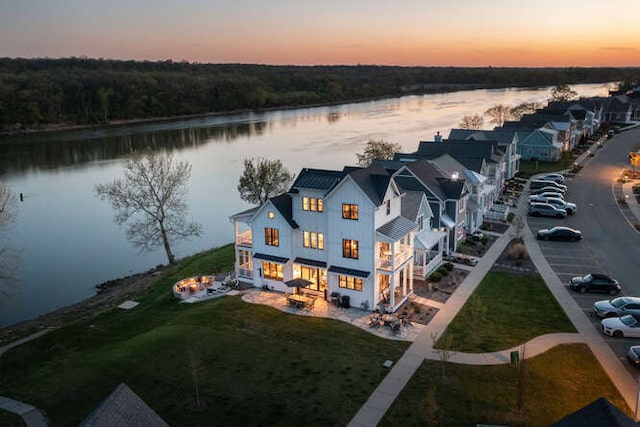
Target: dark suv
(594,282)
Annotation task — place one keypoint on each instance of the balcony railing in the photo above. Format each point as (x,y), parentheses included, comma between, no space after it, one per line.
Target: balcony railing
(244,239)
(384,261)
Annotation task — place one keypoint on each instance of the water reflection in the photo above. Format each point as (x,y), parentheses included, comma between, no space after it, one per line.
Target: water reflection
(33,154)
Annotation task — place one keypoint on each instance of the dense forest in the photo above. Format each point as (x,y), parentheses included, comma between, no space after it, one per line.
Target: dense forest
(41,93)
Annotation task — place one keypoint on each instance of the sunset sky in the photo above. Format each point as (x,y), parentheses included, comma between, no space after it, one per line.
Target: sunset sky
(308,32)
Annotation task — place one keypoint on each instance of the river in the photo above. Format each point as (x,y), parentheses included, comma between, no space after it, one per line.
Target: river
(67,240)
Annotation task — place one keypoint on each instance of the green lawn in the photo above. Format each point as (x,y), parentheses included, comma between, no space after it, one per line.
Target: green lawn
(531,167)
(505,311)
(8,419)
(555,384)
(256,365)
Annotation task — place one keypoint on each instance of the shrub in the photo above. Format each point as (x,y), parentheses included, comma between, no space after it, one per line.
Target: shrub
(510,216)
(448,266)
(435,277)
(443,271)
(637,225)
(517,251)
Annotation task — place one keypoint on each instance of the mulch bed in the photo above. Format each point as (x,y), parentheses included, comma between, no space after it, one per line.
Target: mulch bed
(520,267)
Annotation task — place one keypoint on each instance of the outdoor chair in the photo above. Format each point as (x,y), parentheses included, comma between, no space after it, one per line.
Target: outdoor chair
(395,328)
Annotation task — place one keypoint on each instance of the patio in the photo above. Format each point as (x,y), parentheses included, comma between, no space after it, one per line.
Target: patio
(321,308)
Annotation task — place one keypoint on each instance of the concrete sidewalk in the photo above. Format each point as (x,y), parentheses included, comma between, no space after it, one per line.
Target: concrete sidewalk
(31,415)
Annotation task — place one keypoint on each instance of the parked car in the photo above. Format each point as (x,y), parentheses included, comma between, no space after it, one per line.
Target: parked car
(625,326)
(545,209)
(633,355)
(555,201)
(559,233)
(617,307)
(595,282)
(555,177)
(546,194)
(540,183)
(548,190)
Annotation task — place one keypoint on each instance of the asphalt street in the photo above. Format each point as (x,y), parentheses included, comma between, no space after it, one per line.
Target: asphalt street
(610,244)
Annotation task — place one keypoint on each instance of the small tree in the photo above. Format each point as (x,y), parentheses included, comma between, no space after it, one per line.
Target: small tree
(563,93)
(262,179)
(472,122)
(498,114)
(445,351)
(152,198)
(377,149)
(518,227)
(525,108)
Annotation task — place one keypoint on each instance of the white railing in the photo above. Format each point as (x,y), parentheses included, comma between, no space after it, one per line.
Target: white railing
(497,212)
(244,239)
(431,266)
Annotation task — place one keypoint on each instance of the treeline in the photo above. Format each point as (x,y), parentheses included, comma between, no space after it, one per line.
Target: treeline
(36,93)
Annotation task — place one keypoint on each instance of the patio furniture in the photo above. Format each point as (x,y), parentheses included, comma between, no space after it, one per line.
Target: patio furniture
(395,327)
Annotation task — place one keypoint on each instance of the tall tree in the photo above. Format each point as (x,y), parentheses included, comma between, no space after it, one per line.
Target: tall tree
(151,197)
(471,122)
(498,114)
(8,256)
(377,149)
(563,93)
(262,179)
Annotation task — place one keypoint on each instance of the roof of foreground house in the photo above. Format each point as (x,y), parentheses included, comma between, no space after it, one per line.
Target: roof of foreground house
(373,181)
(397,228)
(502,136)
(318,179)
(123,408)
(600,413)
(282,203)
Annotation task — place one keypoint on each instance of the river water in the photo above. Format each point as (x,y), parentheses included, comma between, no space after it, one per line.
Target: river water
(67,240)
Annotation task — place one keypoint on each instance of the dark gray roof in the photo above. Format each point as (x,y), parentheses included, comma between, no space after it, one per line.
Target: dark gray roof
(282,203)
(123,408)
(397,228)
(373,180)
(502,136)
(519,126)
(310,262)
(600,413)
(317,179)
(430,180)
(541,117)
(273,258)
(245,214)
(349,271)
(411,204)
(461,150)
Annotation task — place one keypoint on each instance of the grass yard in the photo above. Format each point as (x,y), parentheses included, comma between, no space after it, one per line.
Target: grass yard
(531,167)
(555,384)
(255,365)
(505,311)
(8,419)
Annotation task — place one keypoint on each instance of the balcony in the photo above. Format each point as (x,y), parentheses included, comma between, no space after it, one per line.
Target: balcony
(384,260)
(244,239)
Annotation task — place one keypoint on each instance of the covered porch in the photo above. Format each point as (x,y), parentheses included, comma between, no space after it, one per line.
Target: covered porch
(428,248)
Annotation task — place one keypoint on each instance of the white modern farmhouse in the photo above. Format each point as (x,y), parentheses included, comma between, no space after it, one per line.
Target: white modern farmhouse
(340,230)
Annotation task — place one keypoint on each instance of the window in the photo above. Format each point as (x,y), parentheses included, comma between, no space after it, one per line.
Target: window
(274,271)
(349,282)
(271,215)
(312,204)
(350,248)
(349,211)
(420,223)
(389,207)
(271,236)
(313,240)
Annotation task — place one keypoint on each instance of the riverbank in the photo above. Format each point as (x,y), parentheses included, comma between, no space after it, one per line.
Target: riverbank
(114,124)
(109,295)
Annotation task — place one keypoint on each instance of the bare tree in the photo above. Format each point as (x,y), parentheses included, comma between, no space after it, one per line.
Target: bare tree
(8,256)
(518,227)
(262,179)
(563,93)
(524,108)
(445,351)
(472,122)
(151,197)
(377,149)
(498,114)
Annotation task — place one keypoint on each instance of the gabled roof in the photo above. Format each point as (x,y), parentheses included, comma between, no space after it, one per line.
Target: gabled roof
(600,413)
(123,408)
(502,136)
(246,215)
(282,203)
(397,228)
(461,149)
(411,204)
(317,179)
(373,181)
(429,178)
(448,165)
(538,138)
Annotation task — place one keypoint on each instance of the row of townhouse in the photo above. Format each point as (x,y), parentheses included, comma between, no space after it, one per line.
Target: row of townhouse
(366,232)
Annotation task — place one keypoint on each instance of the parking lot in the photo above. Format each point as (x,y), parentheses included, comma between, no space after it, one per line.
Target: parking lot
(571,259)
